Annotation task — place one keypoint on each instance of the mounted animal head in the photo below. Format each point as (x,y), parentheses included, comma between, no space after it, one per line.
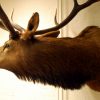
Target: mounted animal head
(65,62)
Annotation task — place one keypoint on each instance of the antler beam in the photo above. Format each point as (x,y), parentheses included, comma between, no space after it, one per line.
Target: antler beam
(2,26)
(7,24)
(73,13)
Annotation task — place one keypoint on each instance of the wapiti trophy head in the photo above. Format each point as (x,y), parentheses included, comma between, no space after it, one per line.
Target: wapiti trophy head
(65,62)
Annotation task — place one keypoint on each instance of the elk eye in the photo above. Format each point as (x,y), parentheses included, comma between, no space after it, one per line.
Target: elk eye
(6,46)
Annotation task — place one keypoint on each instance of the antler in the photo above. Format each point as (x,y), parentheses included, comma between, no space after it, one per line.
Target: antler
(34,21)
(73,13)
(2,26)
(55,19)
(16,26)
(7,24)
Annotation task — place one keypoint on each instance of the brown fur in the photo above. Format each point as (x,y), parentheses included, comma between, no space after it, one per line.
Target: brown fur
(65,62)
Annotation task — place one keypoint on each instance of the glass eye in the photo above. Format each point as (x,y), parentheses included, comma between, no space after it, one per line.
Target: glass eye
(6,46)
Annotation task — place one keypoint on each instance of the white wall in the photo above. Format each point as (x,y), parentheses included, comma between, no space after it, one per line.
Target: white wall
(89,16)
(86,17)
(12,88)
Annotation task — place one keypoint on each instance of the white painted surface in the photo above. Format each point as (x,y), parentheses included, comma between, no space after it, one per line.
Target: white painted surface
(86,17)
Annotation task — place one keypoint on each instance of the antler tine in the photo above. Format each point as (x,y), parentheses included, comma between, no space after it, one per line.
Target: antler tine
(73,13)
(7,24)
(16,26)
(55,19)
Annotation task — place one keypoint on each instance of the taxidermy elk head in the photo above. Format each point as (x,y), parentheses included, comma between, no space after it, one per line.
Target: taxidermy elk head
(65,62)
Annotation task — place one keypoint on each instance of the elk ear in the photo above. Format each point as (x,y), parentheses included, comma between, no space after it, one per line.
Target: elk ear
(32,27)
(33,22)
(51,34)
